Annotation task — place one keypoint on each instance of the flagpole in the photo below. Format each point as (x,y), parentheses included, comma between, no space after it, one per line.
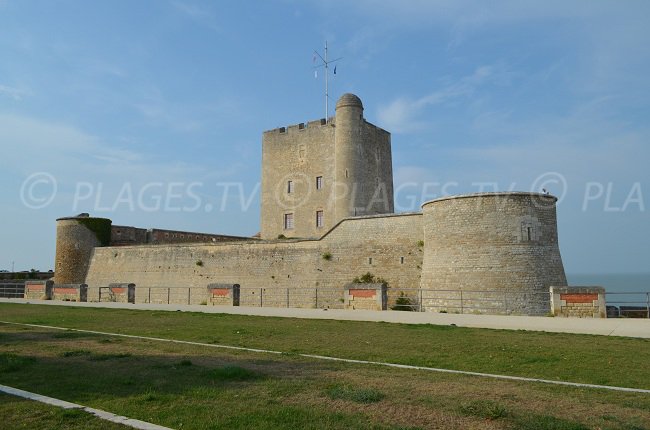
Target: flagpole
(327,108)
(326,64)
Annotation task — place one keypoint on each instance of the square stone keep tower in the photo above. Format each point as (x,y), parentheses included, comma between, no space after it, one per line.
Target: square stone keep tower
(316,174)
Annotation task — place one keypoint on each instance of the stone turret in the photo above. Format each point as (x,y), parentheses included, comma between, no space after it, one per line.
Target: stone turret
(362,163)
(499,247)
(76,238)
(347,155)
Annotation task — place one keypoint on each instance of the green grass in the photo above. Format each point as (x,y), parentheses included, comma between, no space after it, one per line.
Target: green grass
(566,357)
(234,373)
(14,363)
(358,395)
(76,353)
(484,409)
(197,387)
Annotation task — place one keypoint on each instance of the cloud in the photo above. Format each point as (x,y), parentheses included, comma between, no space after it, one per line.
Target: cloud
(405,115)
(196,13)
(15,93)
(27,140)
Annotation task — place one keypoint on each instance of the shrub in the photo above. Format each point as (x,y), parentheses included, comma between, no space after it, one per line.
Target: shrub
(101,227)
(327,256)
(368,278)
(403,303)
(199,263)
(281,236)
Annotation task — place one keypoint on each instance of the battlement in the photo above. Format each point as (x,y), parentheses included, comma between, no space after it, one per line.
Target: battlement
(302,126)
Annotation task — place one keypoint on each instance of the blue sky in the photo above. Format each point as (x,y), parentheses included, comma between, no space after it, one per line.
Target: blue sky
(151,112)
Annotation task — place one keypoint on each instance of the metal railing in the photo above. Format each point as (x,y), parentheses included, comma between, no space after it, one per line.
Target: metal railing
(628,304)
(469,301)
(399,299)
(171,295)
(12,290)
(316,298)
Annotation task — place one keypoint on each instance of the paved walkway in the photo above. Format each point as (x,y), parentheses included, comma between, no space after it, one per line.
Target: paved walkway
(607,327)
(106,416)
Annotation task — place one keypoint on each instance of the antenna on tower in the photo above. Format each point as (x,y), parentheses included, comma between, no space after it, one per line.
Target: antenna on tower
(325,62)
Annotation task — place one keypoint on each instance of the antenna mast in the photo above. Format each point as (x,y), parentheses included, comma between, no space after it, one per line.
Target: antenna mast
(326,63)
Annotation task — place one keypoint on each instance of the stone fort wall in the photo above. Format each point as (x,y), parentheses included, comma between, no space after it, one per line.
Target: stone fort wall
(127,235)
(386,245)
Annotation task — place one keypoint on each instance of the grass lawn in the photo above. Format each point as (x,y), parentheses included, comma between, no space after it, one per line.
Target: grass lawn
(184,386)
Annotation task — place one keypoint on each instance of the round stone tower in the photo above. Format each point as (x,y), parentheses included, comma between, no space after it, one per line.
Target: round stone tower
(348,151)
(499,249)
(76,237)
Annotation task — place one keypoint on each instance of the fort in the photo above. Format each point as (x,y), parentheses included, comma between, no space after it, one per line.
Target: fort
(326,219)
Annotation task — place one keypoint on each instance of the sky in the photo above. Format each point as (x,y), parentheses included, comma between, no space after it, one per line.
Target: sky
(151,113)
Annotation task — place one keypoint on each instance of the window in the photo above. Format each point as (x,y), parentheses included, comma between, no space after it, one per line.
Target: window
(319,182)
(319,218)
(289,187)
(369,260)
(401,260)
(288,221)
(528,232)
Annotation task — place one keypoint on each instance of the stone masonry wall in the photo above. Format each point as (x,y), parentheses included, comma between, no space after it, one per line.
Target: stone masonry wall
(386,246)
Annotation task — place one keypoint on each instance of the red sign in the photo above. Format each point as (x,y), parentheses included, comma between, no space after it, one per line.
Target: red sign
(220,292)
(579,298)
(65,290)
(362,293)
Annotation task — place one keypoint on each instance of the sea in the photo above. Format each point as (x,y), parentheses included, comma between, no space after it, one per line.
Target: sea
(621,289)
(612,282)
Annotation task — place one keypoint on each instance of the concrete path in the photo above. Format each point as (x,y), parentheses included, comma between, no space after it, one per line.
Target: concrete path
(107,416)
(607,327)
